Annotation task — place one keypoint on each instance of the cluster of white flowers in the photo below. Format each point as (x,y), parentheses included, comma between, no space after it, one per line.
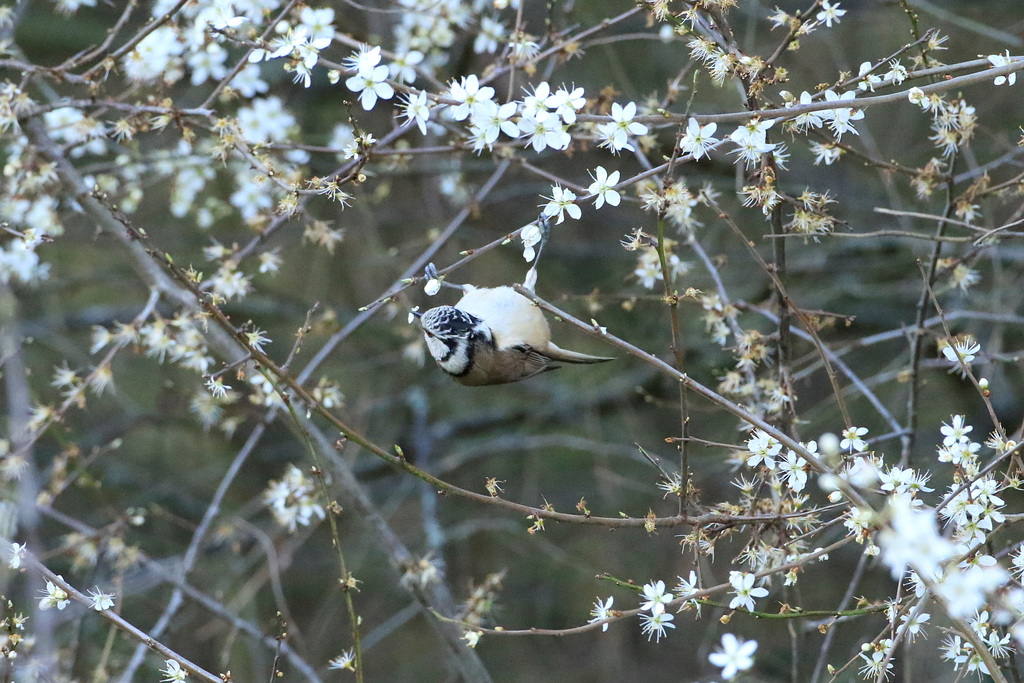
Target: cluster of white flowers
(686,588)
(99,600)
(603,188)
(896,74)
(370,79)
(292,500)
(265,120)
(177,340)
(840,119)
(19,262)
(830,13)
(28,209)
(654,618)
(967,582)
(615,134)
(648,271)
(157,56)
(430,26)
(964,579)
(602,611)
(877,659)
(84,134)
(745,590)
(698,140)
(195,43)
(721,63)
(763,449)
(676,202)
(415,108)
(751,141)
(264,393)
(811,216)
(173,672)
(543,116)
(561,202)
(911,539)
(346,661)
(1003,60)
(961,353)
(188,183)
(54,596)
(17,552)
(734,656)
(531,235)
(953,124)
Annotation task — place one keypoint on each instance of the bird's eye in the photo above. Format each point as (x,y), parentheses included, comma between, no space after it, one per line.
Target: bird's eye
(429,333)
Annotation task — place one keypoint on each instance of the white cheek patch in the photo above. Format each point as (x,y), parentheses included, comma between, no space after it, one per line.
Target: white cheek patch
(454,361)
(457,364)
(438,349)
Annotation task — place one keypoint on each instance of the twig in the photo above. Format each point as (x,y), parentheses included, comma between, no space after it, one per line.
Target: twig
(121,624)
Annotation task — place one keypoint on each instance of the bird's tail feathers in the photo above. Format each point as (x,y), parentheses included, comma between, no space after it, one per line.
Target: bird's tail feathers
(565,356)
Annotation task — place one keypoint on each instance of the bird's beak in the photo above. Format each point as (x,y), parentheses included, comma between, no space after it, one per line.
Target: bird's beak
(414,314)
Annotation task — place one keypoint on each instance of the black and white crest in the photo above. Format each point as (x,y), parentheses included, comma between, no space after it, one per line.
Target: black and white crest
(452,336)
(449,322)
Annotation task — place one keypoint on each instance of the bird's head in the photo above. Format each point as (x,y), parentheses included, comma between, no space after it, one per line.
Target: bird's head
(452,336)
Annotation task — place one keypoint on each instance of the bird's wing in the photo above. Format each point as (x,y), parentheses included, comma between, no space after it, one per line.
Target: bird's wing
(533,361)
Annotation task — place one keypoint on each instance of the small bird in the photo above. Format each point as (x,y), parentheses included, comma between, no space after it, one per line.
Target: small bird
(493,335)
